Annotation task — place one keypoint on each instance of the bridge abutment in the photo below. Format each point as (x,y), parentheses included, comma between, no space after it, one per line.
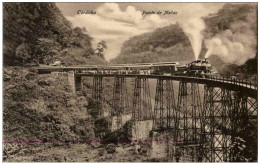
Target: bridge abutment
(162,145)
(123,119)
(140,130)
(74,81)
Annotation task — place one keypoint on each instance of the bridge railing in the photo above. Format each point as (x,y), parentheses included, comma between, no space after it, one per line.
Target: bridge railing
(240,82)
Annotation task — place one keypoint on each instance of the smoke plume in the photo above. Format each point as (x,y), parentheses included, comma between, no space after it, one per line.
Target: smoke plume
(192,23)
(193,28)
(235,45)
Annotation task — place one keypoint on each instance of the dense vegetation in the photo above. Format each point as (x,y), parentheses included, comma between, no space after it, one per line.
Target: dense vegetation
(164,44)
(42,109)
(227,15)
(221,21)
(41,114)
(39,33)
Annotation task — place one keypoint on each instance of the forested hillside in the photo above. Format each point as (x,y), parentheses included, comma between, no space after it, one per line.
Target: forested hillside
(41,113)
(222,21)
(164,44)
(39,33)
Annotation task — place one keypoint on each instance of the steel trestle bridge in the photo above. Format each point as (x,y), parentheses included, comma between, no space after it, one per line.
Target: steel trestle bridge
(208,128)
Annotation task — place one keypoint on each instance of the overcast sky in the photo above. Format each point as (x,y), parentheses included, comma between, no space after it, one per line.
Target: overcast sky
(116,22)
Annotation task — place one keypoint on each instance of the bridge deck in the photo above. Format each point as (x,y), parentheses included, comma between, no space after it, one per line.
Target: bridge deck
(244,88)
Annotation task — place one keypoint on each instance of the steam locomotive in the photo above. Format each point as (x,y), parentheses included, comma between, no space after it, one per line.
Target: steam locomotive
(199,68)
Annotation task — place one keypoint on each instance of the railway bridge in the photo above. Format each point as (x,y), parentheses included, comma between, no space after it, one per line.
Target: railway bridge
(208,129)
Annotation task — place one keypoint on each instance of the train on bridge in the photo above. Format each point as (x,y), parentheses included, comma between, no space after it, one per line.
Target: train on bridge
(198,68)
(195,68)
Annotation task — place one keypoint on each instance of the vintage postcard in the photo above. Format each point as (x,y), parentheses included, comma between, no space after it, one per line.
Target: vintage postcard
(130,82)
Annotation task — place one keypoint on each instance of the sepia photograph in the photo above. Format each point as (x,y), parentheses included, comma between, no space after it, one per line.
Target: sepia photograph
(130,81)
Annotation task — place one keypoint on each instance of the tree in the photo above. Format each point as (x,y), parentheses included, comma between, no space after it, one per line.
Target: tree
(22,53)
(100,48)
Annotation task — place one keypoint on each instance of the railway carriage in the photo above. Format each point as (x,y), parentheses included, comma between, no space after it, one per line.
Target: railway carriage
(164,69)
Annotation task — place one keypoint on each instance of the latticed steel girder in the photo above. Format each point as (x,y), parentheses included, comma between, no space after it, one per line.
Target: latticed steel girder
(227,116)
(217,122)
(164,109)
(244,126)
(142,107)
(188,128)
(97,94)
(188,114)
(120,100)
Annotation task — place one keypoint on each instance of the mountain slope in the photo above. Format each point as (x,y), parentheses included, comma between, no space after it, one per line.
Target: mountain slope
(164,44)
(41,115)
(39,33)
